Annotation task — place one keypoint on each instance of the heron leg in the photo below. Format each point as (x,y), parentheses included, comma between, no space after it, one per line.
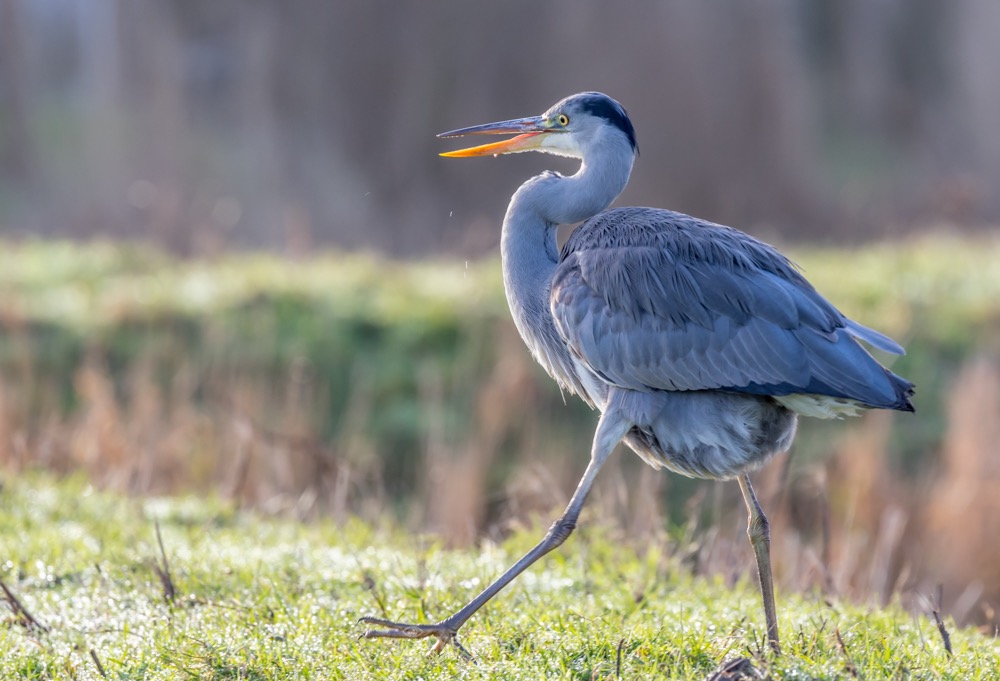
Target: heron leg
(611,428)
(759,531)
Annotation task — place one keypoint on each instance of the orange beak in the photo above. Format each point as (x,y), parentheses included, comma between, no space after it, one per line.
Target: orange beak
(531,133)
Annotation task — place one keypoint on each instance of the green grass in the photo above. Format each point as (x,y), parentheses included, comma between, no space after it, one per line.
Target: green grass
(259,598)
(954,280)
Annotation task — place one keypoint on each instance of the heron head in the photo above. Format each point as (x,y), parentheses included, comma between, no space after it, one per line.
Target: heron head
(569,128)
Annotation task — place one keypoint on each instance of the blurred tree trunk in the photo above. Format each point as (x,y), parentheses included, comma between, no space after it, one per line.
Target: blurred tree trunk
(157,94)
(100,64)
(976,62)
(15,153)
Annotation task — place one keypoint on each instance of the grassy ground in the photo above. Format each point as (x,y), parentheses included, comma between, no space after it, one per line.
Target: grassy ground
(257,598)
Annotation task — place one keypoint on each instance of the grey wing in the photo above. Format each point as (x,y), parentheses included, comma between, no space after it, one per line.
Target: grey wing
(650,299)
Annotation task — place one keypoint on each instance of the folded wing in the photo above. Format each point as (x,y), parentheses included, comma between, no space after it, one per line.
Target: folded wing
(651,299)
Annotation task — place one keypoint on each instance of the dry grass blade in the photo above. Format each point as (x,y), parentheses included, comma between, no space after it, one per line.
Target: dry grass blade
(825,537)
(163,571)
(849,666)
(21,614)
(372,587)
(936,612)
(97,662)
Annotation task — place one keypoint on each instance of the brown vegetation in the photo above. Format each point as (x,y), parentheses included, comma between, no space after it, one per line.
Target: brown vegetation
(847,526)
(342,386)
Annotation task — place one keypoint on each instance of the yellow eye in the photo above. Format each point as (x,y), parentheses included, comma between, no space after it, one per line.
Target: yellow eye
(563,120)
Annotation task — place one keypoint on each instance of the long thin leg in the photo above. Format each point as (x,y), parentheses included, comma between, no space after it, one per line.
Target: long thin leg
(611,428)
(759,531)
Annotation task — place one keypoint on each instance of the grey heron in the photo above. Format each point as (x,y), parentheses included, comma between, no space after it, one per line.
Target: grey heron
(699,345)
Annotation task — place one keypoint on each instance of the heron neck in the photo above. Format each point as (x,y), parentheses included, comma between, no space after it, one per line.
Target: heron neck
(530,254)
(563,200)
(528,244)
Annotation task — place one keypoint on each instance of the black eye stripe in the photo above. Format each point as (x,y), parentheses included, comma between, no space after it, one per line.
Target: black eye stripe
(604,107)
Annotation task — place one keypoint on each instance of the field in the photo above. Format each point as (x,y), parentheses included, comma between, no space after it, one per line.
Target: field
(375,437)
(251,597)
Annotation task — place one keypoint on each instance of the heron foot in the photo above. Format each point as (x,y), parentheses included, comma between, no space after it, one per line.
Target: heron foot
(444,633)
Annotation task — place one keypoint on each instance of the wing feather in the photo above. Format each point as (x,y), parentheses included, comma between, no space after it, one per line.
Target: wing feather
(651,299)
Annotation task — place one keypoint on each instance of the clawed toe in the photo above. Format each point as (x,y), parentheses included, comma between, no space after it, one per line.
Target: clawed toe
(444,633)
(403,630)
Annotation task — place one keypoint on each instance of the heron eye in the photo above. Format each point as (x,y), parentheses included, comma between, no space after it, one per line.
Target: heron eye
(563,120)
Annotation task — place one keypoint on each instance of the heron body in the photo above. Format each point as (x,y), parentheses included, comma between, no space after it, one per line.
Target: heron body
(699,344)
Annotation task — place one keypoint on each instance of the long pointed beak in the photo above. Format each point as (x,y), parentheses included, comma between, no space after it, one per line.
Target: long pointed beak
(530,132)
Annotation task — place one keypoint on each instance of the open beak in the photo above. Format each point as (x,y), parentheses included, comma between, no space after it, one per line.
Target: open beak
(530,133)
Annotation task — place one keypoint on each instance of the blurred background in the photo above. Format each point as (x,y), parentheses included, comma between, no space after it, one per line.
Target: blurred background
(233,262)
(281,125)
